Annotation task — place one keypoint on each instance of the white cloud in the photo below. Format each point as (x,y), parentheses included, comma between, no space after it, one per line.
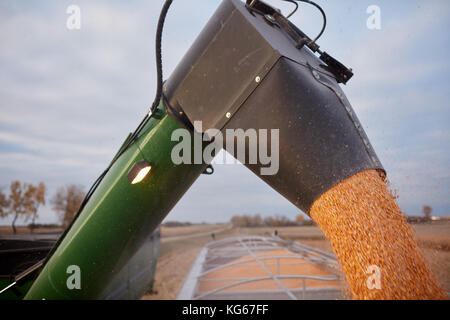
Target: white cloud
(52,147)
(70,97)
(384,57)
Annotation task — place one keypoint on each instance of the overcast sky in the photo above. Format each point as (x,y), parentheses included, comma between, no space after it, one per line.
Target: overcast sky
(68,98)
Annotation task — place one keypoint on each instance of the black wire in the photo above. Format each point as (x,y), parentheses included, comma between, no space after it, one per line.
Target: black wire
(324,25)
(159,71)
(295,10)
(158,41)
(133,137)
(158,47)
(155,104)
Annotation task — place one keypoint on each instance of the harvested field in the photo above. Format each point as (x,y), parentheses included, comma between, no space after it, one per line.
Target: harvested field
(176,257)
(7,230)
(434,242)
(189,230)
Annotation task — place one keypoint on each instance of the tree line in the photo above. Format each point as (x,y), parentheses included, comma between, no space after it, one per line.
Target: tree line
(25,199)
(250,221)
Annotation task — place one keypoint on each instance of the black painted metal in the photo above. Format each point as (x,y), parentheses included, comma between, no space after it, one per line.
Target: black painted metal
(245,72)
(319,144)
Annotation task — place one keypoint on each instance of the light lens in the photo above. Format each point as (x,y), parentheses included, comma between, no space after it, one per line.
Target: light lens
(139,171)
(141,175)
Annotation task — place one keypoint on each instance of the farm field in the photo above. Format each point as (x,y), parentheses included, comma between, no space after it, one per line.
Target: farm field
(177,257)
(188,230)
(7,230)
(181,245)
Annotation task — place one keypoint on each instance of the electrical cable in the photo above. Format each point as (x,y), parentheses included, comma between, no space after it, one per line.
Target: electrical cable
(158,42)
(295,10)
(324,16)
(155,104)
(132,138)
(324,25)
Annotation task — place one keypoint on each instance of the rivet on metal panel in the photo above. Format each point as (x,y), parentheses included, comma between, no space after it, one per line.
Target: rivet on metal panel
(316,74)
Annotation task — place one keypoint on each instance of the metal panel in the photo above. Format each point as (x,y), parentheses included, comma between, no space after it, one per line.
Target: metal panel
(119,217)
(245,72)
(321,142)
(219,71)
(223,77)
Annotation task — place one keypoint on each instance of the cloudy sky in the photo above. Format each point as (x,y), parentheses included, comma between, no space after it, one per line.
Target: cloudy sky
(68,98)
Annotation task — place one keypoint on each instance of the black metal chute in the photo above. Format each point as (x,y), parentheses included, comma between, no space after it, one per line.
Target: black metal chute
(246,72)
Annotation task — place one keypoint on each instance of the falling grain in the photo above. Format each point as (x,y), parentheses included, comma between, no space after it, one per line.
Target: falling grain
(368,232)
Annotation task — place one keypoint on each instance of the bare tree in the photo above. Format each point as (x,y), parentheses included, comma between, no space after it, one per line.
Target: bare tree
(278,221)
(35,197)
(67,201)
(241,221)
(256,221)
(236,221)
(247,221)
(19,201)
(427,212)
(4,205)
(300,218)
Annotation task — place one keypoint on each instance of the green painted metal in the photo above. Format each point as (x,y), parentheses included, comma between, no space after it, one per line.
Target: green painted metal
(19,290)
(137,276)
(119,217)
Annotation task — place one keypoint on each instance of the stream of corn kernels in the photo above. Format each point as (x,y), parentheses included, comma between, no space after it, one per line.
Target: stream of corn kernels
(373,241)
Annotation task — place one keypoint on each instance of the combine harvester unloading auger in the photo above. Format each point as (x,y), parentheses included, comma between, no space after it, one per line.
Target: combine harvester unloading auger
(249,68)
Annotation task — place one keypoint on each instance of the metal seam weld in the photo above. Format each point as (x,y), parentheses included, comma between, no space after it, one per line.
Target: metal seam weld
(349,112)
